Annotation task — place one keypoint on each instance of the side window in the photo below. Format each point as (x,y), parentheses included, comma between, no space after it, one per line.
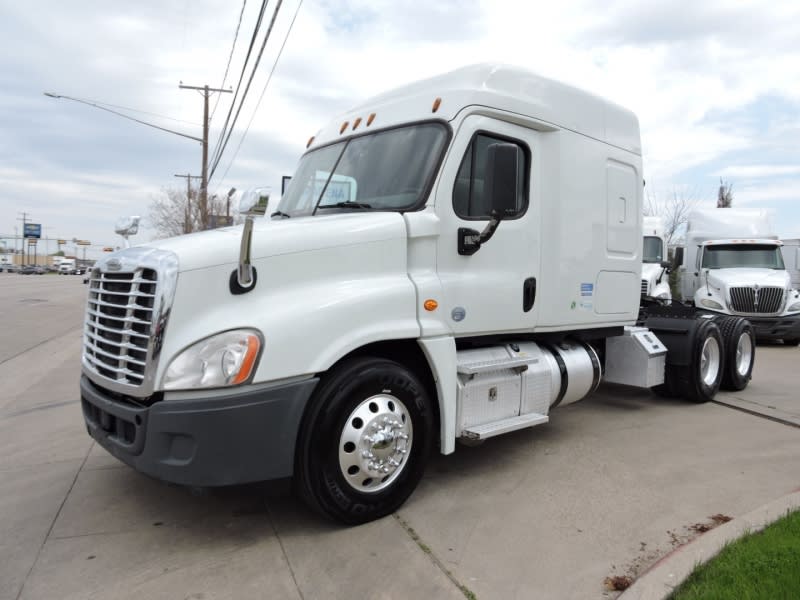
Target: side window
(469,201)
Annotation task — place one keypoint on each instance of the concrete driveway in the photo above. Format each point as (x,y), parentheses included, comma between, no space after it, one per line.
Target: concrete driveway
(609,486)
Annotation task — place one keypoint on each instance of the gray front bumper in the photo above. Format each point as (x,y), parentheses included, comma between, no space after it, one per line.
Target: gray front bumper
(225,440)
(776,328)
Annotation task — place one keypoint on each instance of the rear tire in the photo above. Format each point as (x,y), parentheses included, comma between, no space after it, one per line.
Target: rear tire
(365,440)
(740,351)
(699,380)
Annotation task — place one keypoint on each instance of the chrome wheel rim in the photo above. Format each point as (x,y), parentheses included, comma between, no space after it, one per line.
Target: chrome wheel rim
(744,354)
(709,361)
(375,443)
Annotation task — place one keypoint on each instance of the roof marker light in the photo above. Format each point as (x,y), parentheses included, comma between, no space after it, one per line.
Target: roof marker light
(370,119)
(310,141)
(356,123)
(343,127)
(436,104)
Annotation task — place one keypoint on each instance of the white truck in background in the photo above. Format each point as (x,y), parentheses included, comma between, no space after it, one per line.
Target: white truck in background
(66,266)
(791,260)
(733,265)
(450,261)
(655,266)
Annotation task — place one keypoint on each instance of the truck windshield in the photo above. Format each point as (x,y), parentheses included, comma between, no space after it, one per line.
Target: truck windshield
(387,170)
(653,249)
(732,256)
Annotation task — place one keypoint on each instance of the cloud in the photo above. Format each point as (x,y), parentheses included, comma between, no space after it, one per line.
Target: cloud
(757,171)
(714,85)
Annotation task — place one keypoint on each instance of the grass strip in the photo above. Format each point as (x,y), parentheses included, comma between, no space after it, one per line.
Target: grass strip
(758,566)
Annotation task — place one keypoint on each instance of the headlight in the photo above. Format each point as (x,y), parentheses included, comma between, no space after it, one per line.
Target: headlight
(711,304)
(224,359)
(794,307)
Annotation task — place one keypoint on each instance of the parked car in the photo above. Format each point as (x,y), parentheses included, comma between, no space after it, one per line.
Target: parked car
(11,268)
(27,270)
(39,270)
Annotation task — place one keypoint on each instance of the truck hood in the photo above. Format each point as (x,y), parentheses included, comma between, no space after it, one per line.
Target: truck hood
(727,278)
(651,270)
(273,237)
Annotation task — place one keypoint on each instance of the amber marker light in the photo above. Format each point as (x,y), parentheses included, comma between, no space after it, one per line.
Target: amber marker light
(356,123)
(344,126)
(310,141)
(253,346)
(431,305)
(436,104)
(370,119)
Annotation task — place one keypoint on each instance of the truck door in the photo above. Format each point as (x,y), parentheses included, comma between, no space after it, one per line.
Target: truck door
(493,290)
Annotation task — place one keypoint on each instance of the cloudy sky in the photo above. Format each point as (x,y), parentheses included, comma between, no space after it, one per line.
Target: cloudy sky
(716,86)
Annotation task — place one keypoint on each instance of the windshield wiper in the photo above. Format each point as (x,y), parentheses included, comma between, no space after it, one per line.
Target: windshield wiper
(278,213)
(345,205)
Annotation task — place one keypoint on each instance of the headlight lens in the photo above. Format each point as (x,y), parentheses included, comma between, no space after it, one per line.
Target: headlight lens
(224,359)
(794,307)
(711,304)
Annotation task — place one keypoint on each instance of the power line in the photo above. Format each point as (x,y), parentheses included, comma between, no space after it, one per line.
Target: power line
(124,116)
(253,38)
(247,88)
(228,66)
(136,110)
(261,97)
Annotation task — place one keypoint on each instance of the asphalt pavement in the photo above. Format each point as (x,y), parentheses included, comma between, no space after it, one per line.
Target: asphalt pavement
(607,488)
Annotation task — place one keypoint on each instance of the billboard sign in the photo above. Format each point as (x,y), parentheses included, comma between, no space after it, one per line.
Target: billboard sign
(32,230)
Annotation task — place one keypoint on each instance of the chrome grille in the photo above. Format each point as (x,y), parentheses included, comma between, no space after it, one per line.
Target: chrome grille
(644,287)
(119,319)
(767,300)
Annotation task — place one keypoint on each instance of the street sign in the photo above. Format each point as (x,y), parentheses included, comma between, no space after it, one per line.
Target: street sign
(32,230)
(61,242)
(83,243)
(32,241)
(108,249)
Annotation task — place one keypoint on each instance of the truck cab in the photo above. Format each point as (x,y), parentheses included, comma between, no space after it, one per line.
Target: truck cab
(655,281)
(451,260)
(734,266)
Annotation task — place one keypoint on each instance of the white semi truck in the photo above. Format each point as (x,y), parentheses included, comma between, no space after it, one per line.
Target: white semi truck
(791,260)
(733,265)
(481,267)
(655,266)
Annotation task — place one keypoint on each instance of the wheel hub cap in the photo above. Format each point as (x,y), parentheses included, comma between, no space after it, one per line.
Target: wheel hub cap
(744,354)
(375,443)
(709,361)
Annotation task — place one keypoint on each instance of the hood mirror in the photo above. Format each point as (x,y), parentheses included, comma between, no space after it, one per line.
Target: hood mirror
(254,202)
(126,227)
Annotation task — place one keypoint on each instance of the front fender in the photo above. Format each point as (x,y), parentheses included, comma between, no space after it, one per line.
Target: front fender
(312,307)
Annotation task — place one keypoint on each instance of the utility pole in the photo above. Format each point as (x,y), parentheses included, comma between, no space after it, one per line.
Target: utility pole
(24,220)
(187,228)
(204,176)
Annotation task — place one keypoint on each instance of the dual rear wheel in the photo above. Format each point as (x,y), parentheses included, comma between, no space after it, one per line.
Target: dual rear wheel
(721,356)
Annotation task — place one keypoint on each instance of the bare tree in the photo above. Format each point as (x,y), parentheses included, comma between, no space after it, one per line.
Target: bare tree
(725,194)
(673,208)
(172,213)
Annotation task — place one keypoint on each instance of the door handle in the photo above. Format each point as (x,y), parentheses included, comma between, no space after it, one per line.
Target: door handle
(528,294)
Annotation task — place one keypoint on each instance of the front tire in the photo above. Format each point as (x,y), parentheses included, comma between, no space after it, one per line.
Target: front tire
(365,440)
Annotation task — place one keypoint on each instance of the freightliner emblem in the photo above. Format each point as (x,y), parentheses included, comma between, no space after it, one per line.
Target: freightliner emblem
(114,264)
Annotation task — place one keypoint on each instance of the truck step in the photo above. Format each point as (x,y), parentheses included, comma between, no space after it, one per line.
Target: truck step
(496,364)
(481,432)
